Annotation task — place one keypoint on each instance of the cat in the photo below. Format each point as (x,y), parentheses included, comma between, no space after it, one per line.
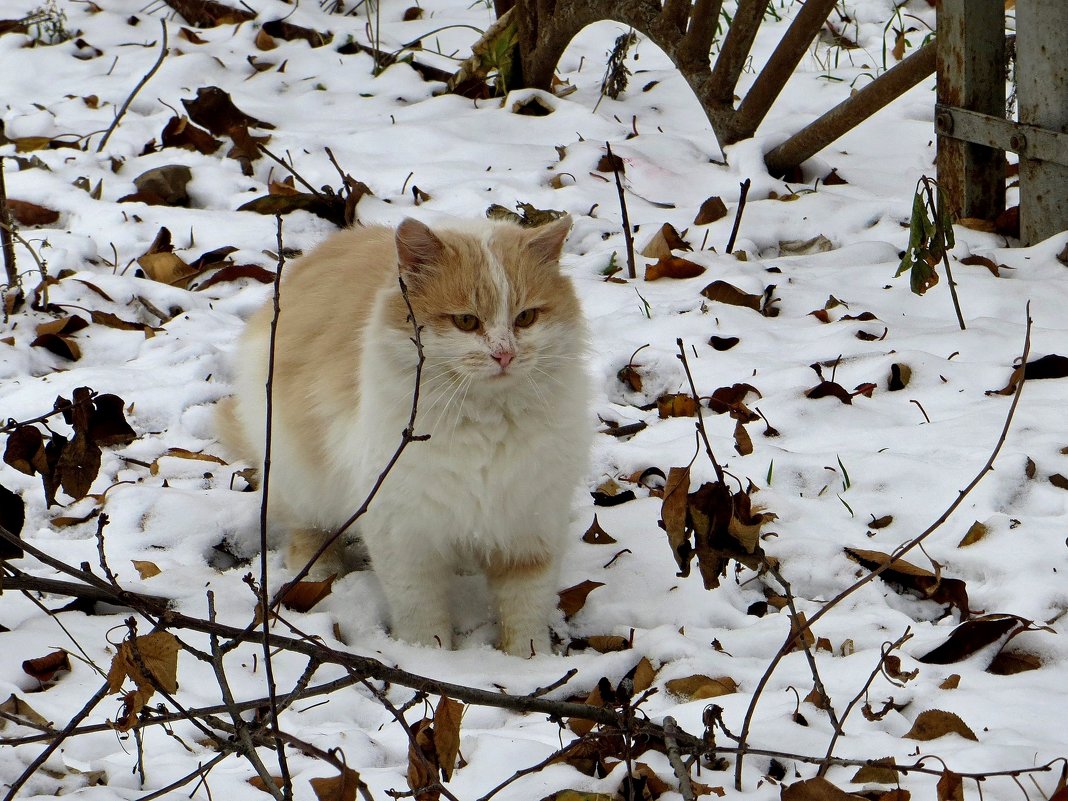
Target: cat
(504,397)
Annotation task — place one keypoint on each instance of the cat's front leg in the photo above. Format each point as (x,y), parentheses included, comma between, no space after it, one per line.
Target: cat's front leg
(524,590)
(416,585)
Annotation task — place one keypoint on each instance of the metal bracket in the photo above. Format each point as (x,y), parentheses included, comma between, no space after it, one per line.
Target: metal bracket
(1029,141)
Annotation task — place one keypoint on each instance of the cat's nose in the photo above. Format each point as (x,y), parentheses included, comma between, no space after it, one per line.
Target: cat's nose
(503,357)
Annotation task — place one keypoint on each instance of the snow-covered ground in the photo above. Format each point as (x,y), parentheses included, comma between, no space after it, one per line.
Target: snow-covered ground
(833,470)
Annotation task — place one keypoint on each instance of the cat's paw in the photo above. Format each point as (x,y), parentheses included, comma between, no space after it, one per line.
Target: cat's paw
(525,644)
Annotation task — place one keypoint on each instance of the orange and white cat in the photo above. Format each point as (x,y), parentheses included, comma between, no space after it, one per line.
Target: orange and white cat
(504,397)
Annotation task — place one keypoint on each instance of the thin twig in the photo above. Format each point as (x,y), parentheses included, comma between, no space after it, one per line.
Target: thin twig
(784,649)
(887,649)
(700,417)
(555,756)
(560,682)
(627,236)
(671,731)
(292,172)
(138,88)
(283,766)
(201,771)
(743,194)
(935,212)
(6,244)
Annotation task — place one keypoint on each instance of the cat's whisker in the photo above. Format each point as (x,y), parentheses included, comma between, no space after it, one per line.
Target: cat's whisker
(461,383)
(460,406)
(442,395)
(537,391)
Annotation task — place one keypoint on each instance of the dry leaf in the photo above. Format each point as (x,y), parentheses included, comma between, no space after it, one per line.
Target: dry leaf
(942,590)
(877,772)
(935,723)
(711,210)
(573,598)
(723,292)
(817,789)
(975,533)
(743,443)
(805,247)
(672,267)
(951,682)
(607,643)
(166,267)
(304,595)
(12,518)
(665,240)
(1009,663)
(723,343)
(447,717)
(698,687)
(336,788)
(677,405)
(157,653)
(595,535)
(30,214)
(950,786)
(900,375)
(20,709)
(182,453)
(144,569)
(973,635)
(44,668)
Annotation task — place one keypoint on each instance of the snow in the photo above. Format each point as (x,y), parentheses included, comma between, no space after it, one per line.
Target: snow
(392,132)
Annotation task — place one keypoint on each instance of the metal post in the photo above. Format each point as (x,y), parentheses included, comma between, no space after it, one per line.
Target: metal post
(1042,92)
(971,75)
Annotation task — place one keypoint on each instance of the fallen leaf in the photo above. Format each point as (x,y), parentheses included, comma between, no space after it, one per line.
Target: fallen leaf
(877,771)
(342,787)
(260,784)
(213,109)
(1051,366)
(209,13)
(329,207)
(156,653)
(881,522)
(631,377)
(904,574)
(64,326)
(304,595)
(144,569)
(935,723)
(699,687)
(743,443)
(975,533)
(664,241)
(30,214)
(723,292)
(672,267)
(596,535)
(833,178)
(900,375)
(723,343)
(711,210)
(12,518)
(20,709)
(973,635)
(235,272)
(805,247)
(1059,481)
(817,789)
(281,29)
(447,717)
(673,514)
(182,453)
(830,389)
(951,682)
(44,668)
(983,261)
(1008,663)
(676,405)
(573,598)
(607,643)
(181,132)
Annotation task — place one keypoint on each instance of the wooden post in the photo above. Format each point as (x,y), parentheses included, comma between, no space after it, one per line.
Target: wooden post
(1042,92)
(971,75)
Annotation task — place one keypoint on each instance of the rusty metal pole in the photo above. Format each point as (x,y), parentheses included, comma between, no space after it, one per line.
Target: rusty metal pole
(971,75)
(1042,92)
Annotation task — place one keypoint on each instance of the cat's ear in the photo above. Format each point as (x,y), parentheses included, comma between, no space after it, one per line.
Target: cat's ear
(417,246)
(546,242)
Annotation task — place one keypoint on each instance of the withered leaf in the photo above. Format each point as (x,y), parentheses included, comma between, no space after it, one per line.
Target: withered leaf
(59,345)
(156,653)
(723,343)
(20,709)
(304,595)
(935,723)
(976,532)
(12,518)
(605,643)
(209,13)
(30,214)
(1051,366)
(113,321)
(900,374)
(181,132)
(44,668)
(213,109)
(213,258)
(665,240)
(329,207)
(145,569)
(78,464)
(166,267)
(596,535)
(281,29)
(264,41)
(831,389)
(1008,663)
(65,521)
(904,574)
(951,682)
(881,522)
(422,761)
(698,687)
(817,789)
(950,786)
(676,405)
(182,453)
(64,326)
(631,377)
(260,784)
(833,178)
(711,210)
(672,267)
(611,163)
(730,399)
(877,771)
(167,183)
(805,247)
(983,261)
(743,443)
(107,421)
(723,292)
(573,598)
(673,517)
(342,787)
(974,635)
(447,717)
(235,272)
(25,451)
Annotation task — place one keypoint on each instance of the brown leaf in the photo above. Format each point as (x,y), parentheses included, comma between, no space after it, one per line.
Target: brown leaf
(112,321)
(950,786)
(1051,366)
(182,453)
(731,400)
(61,346)
(951,682)
(975,533)
(65,521)
(79,463)
(180,132)
(25,451)
(64,326)
(817,789)
(673,515)
(877,772)
(44,668)
(900,375)
(422,761)
(191,36)
(935,723)
(723,292)
(743,443)
(281,29)
(631,377)
(665,240)
(156,653)
(264,41)
(573,598)
(304,595)
(166,267)
(12,518)
(162,186)
(974,635)
(447,717)
(107,422)
(260,784)
(904,574)
(20,709)
(677,405)
(711,210)
(831,389)
(342,787)
(235,272)
(611,163)
(30,214)
(607,643)
(672,267)
(144,569)
(329,207)
(899,45)
(983,261)
(699,687)
(215,110)
(209,13)
(833,178)
(723,343)
(881,522)
(596,535)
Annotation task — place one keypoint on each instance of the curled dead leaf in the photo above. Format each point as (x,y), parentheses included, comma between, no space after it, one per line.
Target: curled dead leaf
(45,668)
(935,723)
(698,687)
(673,267)
(573,598)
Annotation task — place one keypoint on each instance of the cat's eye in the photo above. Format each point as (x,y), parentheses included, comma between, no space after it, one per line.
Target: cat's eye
(526,318)
(466,322)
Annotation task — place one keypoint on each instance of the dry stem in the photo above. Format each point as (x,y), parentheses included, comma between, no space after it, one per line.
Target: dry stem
(148,76)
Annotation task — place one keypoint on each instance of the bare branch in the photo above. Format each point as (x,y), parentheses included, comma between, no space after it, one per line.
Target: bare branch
(141,84)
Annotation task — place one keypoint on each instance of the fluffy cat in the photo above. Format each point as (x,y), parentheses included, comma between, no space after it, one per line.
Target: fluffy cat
(504,397)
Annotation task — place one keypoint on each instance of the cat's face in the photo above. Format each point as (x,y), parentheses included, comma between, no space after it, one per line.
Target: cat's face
(495,310)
